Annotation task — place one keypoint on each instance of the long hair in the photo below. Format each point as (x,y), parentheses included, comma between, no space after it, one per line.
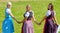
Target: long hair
(51,6)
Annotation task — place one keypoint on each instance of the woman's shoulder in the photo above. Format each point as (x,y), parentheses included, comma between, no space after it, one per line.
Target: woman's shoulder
(48,11)
(32,11)
(8,10)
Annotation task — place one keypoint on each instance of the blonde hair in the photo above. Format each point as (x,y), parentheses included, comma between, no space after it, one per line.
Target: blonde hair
(28,5)
(9,3)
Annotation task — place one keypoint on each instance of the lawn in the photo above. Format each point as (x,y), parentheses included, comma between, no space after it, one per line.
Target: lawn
(39,7)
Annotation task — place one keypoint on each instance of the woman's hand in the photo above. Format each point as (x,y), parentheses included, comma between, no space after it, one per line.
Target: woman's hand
(39,23)
(56,23)
(19,22)
(36,22)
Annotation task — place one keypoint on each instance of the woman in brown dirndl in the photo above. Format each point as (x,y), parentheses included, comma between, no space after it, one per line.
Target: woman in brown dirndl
(50,25)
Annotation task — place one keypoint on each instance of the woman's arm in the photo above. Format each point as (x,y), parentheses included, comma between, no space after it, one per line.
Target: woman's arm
(48,13)
(54,18)
(34,19)
(13,17)
(23,20)
(43,19)
(18,21)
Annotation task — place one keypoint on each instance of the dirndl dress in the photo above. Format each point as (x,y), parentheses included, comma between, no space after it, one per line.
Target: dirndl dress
(28,25)
(7,25)
(50,26)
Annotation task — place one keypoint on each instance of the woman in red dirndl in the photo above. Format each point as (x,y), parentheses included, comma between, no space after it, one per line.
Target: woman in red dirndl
(50,25)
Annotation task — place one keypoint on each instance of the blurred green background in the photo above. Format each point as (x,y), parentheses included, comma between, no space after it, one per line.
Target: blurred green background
(18,9)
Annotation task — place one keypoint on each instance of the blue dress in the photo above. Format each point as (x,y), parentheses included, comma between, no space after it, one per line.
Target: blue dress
(7,26)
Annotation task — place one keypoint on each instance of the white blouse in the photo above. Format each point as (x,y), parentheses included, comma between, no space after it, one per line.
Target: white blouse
(8,11)
(49,13)
(27,14)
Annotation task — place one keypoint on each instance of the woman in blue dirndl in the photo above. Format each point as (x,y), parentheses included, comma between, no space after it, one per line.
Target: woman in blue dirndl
(7,26)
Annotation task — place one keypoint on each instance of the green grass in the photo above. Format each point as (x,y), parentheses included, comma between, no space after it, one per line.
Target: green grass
(39,8)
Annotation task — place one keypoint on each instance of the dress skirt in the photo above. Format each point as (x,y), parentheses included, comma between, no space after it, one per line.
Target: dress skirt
(50,26)
(27,27)
(7,26)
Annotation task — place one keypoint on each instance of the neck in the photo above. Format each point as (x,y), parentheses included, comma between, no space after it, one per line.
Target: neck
(28,10)
(7,7)
(51,10)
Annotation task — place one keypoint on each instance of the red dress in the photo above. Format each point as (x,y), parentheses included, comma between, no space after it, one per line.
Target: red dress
(50,26)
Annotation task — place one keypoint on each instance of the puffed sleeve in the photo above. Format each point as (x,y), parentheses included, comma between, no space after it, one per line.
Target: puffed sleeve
(48,13)
(27,14)
(8,11)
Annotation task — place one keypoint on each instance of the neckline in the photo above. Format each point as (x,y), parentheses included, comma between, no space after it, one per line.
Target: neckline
(28,11)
